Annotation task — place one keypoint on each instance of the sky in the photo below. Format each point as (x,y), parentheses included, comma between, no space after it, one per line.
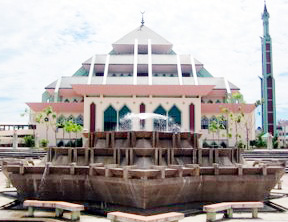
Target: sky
(42,40)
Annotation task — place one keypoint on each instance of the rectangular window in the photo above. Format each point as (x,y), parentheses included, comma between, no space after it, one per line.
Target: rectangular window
(268,58)
(270,118)
(268,68)
(267,46)
(270,93)
(186,74)
(270,106)
(269,82)
(142,74)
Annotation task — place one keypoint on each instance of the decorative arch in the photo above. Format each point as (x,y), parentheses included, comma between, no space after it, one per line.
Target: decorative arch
(223,122)
(71,118)
(61,120)
(124,124)
(174,115)
(213,118)
(142,110)
(79,120)
(192,117)
(160,124)
(110,119)
(92,117)
(204,122)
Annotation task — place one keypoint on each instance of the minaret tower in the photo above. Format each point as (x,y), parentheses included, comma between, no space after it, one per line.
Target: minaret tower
(267,80)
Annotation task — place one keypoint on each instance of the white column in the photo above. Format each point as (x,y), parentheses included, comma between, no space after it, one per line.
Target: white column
(179,71)
(91,70)
(57,90)
(135,62)
(149,62)
(106,70)
(194,71)
(15,139)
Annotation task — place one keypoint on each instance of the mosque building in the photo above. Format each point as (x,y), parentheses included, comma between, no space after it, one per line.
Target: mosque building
(142,74)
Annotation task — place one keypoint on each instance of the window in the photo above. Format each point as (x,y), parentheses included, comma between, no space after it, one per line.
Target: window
(174,115)
(124,124)
(160,122)
(204,122)
(71,118)
(79,120)
(110,119)
(60,121)
(213,118)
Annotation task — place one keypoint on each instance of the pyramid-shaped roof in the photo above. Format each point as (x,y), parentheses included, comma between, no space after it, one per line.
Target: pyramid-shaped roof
(142,33)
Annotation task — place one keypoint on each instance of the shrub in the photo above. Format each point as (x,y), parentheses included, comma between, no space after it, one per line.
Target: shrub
(29,141)
(205,144)
(79,142)
(214,145)
(60,143)
(44,143)
(223,144)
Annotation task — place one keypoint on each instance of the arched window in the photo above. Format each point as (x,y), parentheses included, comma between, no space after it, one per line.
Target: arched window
(66,101)
(60,121)
(174,115)
(110,119)
(222,122)
(124,124)
(160,122)
(204,122)
(79,120)
(210,101)
(75,101)
(213,118)
(218,101)
(71,118)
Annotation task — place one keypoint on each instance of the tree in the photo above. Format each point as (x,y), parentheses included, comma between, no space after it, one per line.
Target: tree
(70,127)
(48,118)
(213,128)
(76,129)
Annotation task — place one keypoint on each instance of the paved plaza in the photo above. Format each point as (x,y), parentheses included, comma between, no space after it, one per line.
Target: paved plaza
(49,215)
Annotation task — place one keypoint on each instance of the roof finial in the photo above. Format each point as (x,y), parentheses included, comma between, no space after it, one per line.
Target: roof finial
(142,21)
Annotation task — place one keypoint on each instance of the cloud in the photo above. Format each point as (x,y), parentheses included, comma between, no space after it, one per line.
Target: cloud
(44,40)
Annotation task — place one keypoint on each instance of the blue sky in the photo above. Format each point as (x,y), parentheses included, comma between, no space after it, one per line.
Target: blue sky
(43,40)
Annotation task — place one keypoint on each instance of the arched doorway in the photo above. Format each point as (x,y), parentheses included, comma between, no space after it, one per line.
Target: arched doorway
(110,119)
(174,120)
(124,124)
(158,123)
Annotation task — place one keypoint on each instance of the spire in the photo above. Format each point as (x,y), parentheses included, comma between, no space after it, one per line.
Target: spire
(142,21)
(265,15)
(265,18)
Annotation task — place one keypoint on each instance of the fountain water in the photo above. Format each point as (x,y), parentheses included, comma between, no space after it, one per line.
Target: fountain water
(158,122)
(42,185)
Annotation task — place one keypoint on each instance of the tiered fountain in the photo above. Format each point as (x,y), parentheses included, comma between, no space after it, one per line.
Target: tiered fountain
(140,169)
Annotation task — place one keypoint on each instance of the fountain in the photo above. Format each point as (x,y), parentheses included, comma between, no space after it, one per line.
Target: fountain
(144,170)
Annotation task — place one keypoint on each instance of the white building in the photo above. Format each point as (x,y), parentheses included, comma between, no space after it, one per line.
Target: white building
(142,74)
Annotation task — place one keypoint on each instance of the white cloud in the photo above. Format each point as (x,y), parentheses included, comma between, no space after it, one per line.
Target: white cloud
(43,40)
